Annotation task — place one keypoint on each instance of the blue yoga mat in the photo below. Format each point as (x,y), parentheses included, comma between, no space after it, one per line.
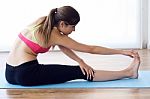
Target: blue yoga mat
(142,82)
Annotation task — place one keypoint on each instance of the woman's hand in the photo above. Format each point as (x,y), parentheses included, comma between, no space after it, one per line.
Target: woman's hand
(86,69)
(130,53)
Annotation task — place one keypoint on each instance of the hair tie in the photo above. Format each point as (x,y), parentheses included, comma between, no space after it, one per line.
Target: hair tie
(56,10)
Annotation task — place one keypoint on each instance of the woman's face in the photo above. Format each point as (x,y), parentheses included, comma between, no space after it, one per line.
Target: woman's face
(66,29)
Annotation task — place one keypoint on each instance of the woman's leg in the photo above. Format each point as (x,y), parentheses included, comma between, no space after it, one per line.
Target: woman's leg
(130,72)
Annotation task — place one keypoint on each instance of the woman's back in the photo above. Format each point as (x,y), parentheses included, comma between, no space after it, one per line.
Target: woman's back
(20,52)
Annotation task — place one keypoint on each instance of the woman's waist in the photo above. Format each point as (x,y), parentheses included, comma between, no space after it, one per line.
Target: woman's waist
(17,59)
(22,65)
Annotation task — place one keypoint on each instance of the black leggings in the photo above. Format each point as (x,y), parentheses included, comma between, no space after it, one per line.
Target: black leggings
(32,73)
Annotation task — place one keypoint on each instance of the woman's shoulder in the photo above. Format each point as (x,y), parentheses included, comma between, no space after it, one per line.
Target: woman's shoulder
(55,35)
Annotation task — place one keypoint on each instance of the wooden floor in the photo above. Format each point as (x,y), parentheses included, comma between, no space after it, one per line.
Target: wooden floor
(97,62)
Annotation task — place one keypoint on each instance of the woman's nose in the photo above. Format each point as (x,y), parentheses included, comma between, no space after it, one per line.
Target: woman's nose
(73,29)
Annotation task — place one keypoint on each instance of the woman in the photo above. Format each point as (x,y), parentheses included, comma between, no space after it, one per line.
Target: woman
(52,30)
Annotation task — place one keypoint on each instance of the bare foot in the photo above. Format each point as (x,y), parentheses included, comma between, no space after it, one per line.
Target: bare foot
(133,68)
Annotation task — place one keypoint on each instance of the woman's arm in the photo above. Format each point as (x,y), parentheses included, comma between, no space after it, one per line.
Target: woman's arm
(84,67)
(70,54)
(72,44)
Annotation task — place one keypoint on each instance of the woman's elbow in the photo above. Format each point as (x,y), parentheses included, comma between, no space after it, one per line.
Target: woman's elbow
(91,50)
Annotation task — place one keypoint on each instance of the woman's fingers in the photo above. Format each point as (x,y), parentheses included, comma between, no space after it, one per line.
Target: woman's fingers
(136,54)
(88,74)
(82,70)
(88,71)
(92,73)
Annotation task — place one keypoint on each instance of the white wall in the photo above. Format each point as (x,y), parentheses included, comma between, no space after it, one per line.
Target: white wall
(144,23)
(111,23)
(148,24)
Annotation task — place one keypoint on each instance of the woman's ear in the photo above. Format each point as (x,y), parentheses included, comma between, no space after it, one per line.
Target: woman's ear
(62,24)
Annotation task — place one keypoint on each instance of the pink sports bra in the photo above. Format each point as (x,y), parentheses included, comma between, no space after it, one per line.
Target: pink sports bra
(36,48)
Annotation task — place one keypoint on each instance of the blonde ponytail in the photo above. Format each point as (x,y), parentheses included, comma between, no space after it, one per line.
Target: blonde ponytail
(46,27)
